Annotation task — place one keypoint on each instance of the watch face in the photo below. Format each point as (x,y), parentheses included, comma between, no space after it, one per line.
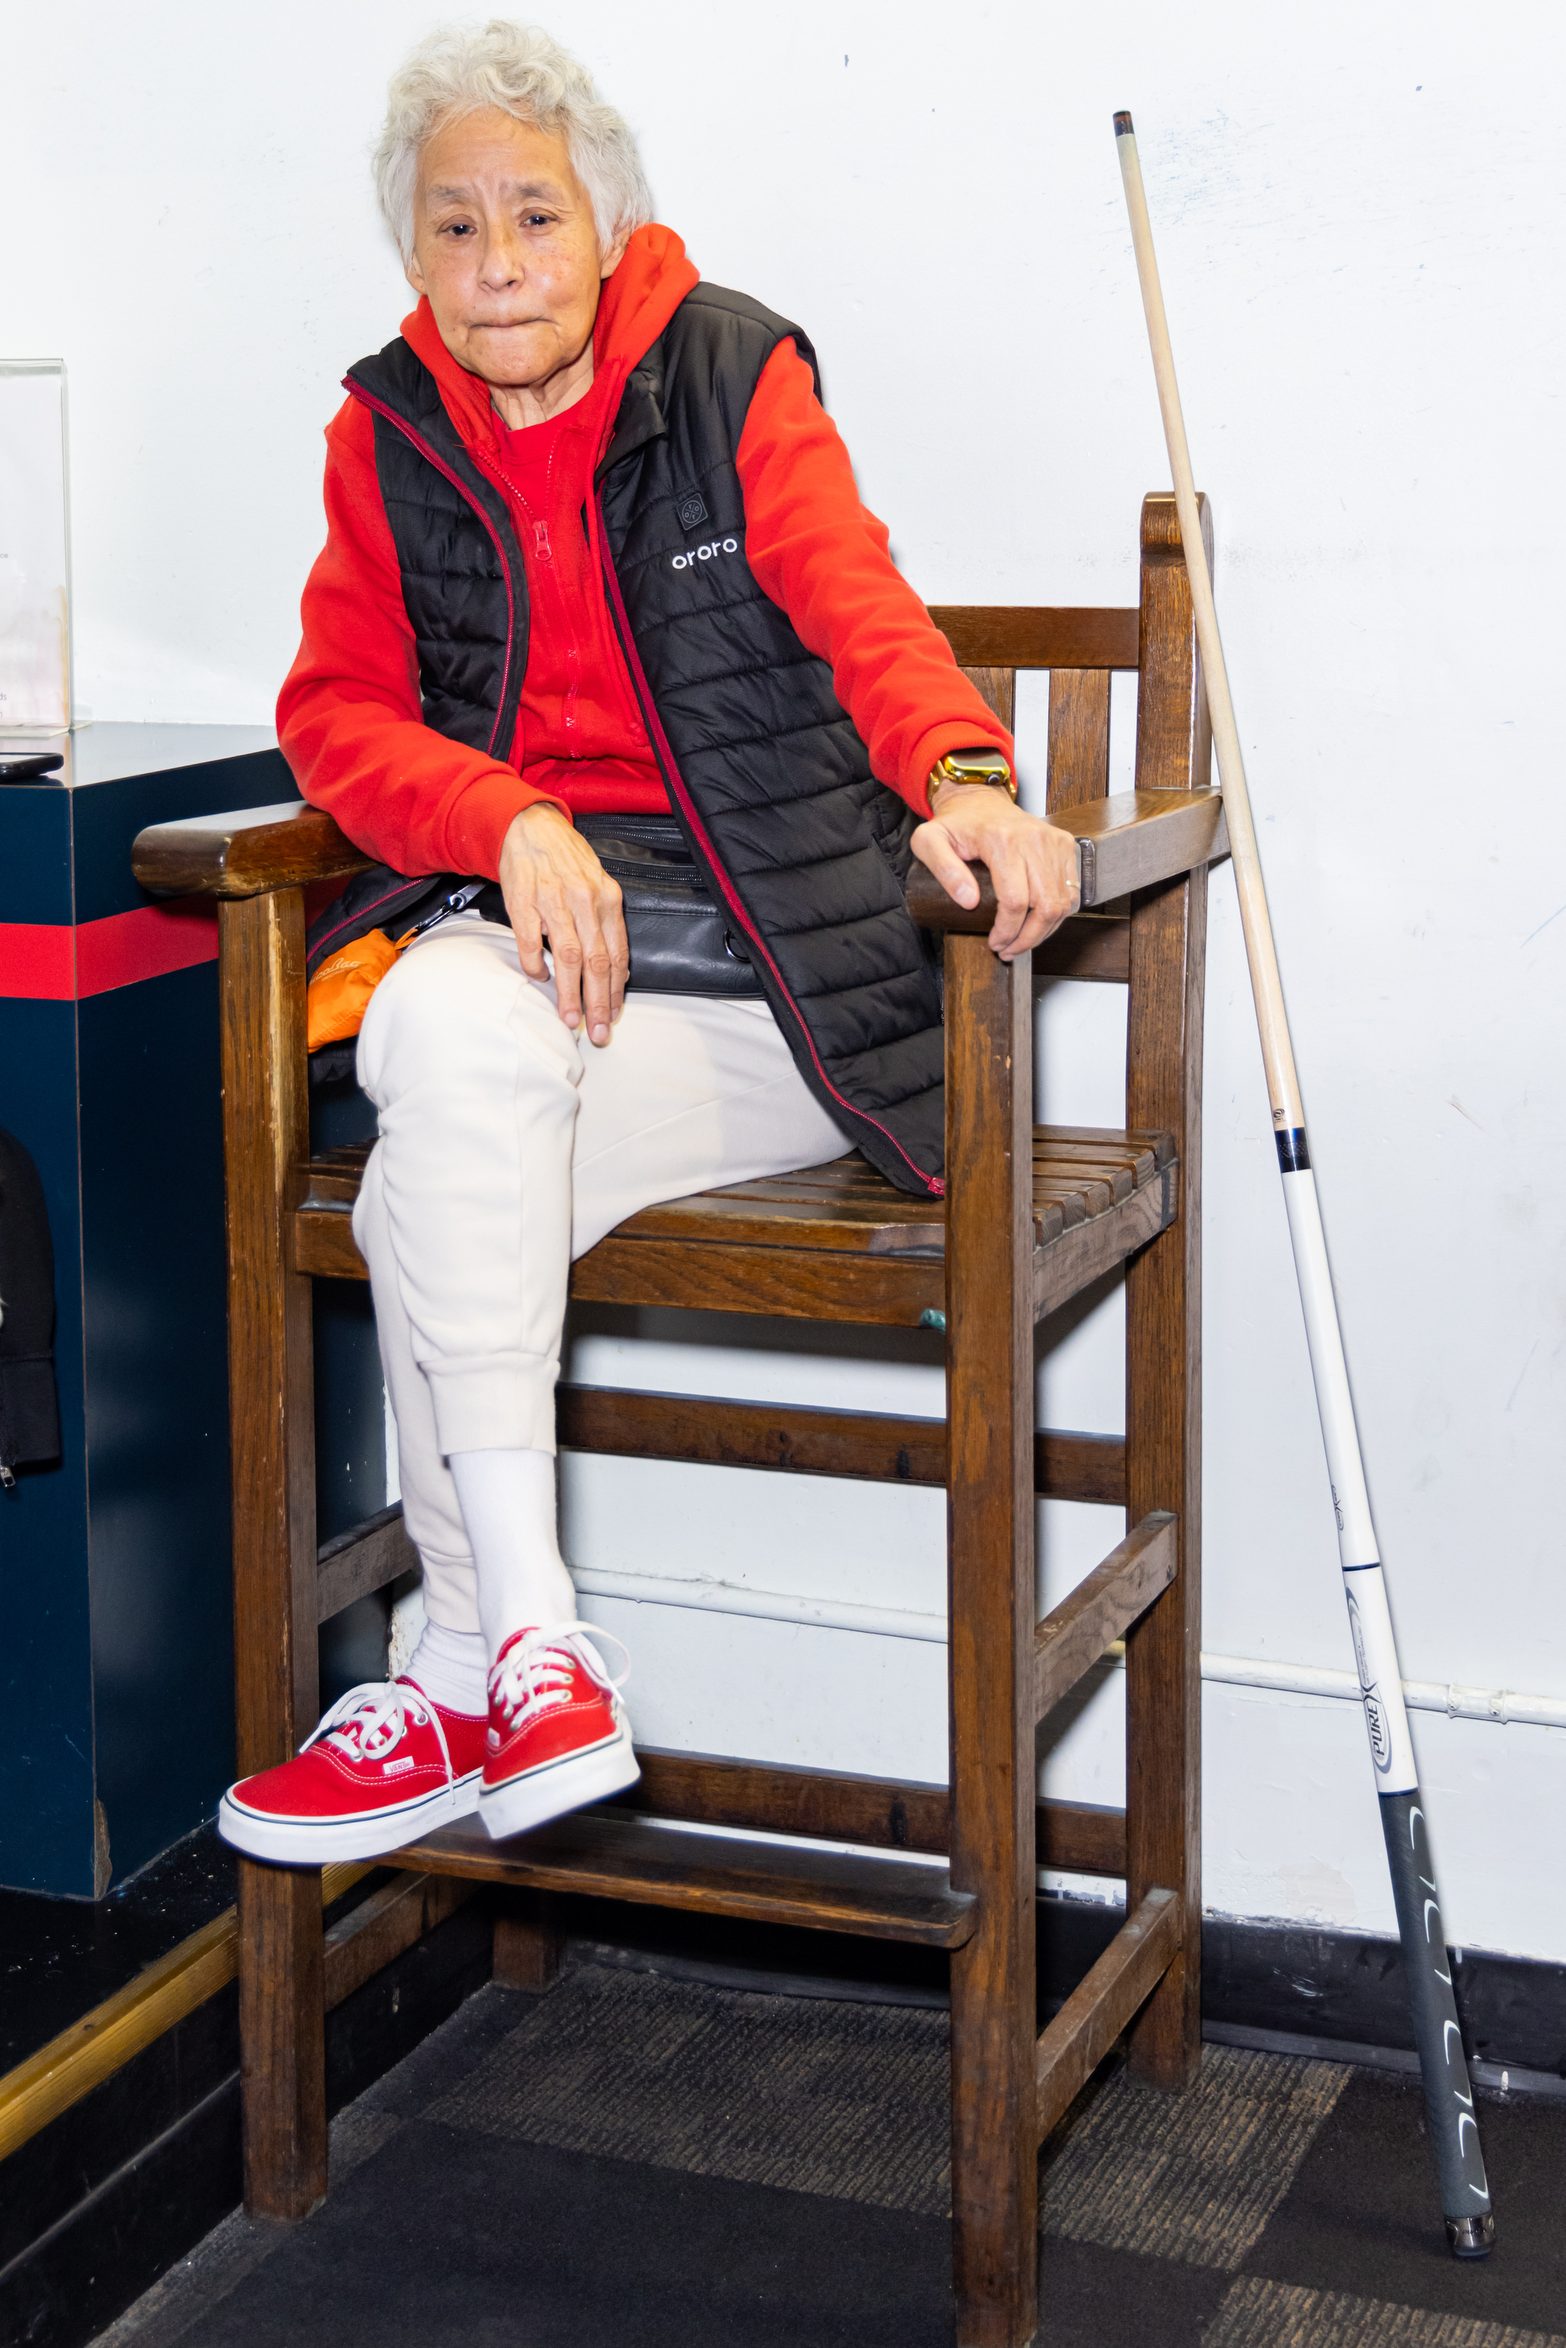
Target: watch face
(976,766)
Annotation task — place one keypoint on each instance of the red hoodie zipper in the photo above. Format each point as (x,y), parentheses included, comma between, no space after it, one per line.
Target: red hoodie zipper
(676,783)
(358,392)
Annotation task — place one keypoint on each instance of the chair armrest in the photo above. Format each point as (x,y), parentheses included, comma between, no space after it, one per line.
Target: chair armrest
(1125,842)
(245,854)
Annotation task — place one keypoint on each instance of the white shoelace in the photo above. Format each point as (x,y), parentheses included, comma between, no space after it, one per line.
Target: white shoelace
(371,1720)
(537,1670)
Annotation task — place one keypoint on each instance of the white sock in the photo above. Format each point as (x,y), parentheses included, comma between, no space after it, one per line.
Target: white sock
(509,1509)
(452,1667)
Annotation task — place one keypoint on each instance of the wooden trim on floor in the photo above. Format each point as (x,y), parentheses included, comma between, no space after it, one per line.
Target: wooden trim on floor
(91,2049)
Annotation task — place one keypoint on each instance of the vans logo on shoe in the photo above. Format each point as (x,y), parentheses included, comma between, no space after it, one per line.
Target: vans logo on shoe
(704,554)
(394,1768)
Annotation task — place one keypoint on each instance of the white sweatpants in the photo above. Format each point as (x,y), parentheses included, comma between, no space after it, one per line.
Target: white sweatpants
(510,1145)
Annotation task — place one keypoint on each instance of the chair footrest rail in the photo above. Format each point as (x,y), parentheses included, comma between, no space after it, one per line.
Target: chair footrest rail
(1104,2001)
(1076,1633)
(664,1865)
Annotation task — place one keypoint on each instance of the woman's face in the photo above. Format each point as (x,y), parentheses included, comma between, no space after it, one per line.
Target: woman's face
(507,250)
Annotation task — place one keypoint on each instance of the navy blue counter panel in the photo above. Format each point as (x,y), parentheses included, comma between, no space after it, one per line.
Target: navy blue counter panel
(115,1562)
(46,1725)
(157,1406)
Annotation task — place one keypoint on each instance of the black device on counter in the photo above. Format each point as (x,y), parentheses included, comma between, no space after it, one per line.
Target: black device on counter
(29,766)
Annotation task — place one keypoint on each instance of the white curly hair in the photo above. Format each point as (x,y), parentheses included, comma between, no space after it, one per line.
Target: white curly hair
(458,69)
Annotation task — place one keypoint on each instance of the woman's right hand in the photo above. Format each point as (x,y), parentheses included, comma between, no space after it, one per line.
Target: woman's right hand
(557,891)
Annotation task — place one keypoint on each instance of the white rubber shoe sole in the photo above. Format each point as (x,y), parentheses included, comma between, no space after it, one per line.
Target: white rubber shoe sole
(558,1786)
(311,1842)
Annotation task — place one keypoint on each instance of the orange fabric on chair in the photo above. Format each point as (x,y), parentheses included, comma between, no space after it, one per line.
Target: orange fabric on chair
(339,994)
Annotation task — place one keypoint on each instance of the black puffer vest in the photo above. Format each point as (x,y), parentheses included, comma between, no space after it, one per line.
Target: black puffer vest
(764,769)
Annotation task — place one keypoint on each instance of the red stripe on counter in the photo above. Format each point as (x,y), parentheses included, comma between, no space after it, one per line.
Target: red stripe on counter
(58,962)
(37,961)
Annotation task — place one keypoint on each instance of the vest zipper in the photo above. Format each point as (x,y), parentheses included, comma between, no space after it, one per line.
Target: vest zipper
(675,781)
(416,440)
(375,905)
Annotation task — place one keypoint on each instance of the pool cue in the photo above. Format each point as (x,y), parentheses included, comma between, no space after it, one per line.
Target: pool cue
(1454,2129)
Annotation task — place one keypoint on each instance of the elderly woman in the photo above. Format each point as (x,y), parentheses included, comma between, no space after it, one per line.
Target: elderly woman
(595,561)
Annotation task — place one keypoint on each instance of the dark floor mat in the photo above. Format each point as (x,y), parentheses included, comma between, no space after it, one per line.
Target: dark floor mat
(644,2162)
(817,2096)
(1259,2314)
(443,2241)
(445,2238)
(1193,2177)
(1362,2215)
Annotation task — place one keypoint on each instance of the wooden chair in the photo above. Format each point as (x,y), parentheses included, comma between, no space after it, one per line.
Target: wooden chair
(1032,1216)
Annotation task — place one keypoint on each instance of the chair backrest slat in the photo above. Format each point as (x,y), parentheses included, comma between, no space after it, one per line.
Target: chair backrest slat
(1030,636)
(1078,736)
(1080,648)
(998,689)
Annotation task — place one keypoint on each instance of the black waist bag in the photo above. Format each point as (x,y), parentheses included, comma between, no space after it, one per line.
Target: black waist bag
(681,942)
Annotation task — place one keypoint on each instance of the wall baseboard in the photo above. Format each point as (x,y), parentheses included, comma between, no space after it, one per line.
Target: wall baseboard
(1329,1993)
(103,2200)
(1345,1989)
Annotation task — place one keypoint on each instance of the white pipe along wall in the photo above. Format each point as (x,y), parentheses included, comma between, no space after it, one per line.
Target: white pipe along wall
(1356,237)
(891,1622)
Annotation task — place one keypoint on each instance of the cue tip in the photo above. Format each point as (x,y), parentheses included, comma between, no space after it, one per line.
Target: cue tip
(1123,126)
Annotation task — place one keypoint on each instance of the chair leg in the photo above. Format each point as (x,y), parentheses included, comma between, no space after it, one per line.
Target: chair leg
(990,1409)
(1163,1471)
(994,2103)
(282,2006)
(282,2039)
(527,1944)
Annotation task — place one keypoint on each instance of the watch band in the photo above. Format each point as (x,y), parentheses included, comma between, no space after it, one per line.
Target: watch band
(983,766)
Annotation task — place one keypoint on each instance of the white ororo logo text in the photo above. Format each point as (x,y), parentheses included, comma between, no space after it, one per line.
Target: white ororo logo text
(704,554)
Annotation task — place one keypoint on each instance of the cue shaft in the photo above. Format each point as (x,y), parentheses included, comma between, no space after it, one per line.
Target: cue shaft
(1465,2195)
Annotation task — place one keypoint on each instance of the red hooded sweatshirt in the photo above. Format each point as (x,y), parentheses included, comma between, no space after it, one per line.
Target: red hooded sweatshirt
(349,715)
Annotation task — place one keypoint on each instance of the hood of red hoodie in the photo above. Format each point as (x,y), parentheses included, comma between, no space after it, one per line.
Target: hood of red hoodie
(638,300)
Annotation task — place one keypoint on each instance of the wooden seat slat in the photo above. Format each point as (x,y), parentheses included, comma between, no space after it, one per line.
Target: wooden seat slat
(842,1207)
(834,1242)
(1161,1144)
(1095,1192)
(787,1222)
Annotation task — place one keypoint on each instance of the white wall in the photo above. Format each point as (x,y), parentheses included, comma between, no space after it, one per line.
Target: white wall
(1358,210)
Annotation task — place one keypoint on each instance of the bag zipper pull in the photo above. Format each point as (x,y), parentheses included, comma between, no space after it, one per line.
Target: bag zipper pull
(7,1480)
(457,902)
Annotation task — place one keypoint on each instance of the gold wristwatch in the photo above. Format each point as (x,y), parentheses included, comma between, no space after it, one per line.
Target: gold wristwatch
(983,766)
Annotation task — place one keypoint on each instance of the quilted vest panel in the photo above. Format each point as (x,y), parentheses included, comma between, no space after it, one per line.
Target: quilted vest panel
(765,770)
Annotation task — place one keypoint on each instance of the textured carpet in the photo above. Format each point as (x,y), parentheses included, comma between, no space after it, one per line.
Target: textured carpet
(636,2161)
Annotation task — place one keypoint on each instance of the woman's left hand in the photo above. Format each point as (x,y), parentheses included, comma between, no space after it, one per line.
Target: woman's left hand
(1032,865)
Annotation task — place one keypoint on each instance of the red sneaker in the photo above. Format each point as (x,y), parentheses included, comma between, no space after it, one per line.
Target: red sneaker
(558,1735)
(385,1766)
